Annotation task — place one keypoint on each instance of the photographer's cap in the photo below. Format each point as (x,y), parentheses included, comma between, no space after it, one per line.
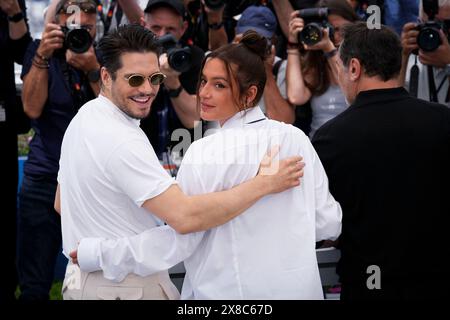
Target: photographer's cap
(258,18)
(177,5)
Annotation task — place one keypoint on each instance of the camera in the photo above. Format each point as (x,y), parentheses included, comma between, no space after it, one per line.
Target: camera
(78,40)
(180,59)
(316,19)
(214,4)
(429,38)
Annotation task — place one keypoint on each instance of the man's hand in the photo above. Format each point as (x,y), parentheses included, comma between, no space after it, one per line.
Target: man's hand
(52,39)
(438,58)
(74,256)
(85,61)
(281,175)
(409,38)
(172,81)
(10,7)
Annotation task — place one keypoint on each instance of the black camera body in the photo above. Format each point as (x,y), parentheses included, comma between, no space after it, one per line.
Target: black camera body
(180,59)
(214,4)
(429,38)
(78,40)
(316,19)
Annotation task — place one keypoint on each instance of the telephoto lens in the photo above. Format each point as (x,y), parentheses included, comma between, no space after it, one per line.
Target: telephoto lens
(180,59)
(429,38)
(316,19)
(77,40)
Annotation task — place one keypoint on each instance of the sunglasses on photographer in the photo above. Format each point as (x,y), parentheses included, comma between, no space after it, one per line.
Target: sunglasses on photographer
(86,7)
(136,80)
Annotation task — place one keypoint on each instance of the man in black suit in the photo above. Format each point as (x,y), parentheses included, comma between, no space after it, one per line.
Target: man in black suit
(388,162)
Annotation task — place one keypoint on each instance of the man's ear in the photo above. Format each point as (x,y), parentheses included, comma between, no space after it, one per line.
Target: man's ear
(106,77)
(354,69)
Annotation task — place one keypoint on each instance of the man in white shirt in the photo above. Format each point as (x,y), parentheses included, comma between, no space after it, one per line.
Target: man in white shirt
(438,60)
(110,178)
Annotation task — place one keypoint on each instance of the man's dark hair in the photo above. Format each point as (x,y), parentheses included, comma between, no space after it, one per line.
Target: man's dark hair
(126,38)
(378,50)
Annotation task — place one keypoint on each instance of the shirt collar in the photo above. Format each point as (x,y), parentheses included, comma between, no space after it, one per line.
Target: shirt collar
(110,105)
(377,96)
(247,116)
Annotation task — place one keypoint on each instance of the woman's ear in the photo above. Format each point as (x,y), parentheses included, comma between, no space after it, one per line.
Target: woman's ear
(251,95)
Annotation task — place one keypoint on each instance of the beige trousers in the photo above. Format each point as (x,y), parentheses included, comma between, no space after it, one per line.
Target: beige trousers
(79,285)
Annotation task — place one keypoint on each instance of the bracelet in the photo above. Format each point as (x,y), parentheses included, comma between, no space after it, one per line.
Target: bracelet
(39,65)
(174,93)
(293,51)
(330,54)
(292,45)
(215,26)
(41,57)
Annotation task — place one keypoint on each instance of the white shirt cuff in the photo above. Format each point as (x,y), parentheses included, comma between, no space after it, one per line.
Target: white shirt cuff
(89,254)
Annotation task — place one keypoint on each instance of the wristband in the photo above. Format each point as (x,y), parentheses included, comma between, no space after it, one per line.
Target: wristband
(215,26)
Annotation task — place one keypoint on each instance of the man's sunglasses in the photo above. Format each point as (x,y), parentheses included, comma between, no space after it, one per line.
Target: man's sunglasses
(136,80)
(86,7)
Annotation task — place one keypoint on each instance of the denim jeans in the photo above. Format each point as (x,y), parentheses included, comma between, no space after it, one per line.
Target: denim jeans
(39,237)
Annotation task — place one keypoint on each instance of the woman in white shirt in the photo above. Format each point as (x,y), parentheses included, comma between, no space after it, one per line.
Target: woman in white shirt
(268,252)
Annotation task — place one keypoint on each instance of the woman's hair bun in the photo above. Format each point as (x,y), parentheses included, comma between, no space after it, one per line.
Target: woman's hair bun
(255,43)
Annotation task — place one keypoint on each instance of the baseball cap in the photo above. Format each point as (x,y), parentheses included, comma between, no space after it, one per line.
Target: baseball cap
(258,18)
(178,5)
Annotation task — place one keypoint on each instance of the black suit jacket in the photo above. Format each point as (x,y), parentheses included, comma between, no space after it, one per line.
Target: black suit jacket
(388,162)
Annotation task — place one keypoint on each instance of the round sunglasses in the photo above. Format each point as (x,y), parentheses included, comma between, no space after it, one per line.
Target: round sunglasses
(136,79)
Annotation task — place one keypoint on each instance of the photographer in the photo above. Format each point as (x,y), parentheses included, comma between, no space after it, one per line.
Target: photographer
(426,53)
(175,105)
(113,13)
(14,38)
(206,24)
(311,68)
(56,83)
(274,101)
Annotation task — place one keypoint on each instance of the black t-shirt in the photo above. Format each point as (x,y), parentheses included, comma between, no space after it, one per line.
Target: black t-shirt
(163,111)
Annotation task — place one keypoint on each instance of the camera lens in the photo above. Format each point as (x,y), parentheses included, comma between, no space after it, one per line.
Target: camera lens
(180,59)
(428,39)
(78,40)
(311,34)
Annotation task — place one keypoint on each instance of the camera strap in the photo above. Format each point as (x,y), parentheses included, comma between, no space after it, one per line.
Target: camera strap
(414,80)
(73,80)
(432,85)
(109,15)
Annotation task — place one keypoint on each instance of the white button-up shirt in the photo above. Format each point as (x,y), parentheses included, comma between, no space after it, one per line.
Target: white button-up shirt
(268,252)
(107,170)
